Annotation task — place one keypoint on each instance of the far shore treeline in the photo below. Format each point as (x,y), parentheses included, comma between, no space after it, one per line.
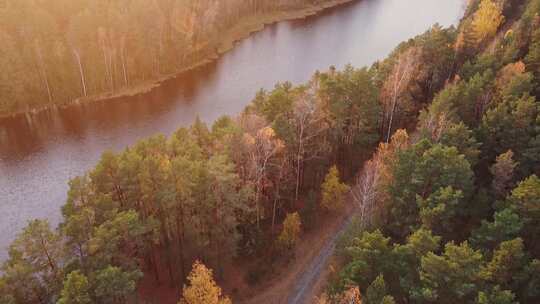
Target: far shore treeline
(57,51)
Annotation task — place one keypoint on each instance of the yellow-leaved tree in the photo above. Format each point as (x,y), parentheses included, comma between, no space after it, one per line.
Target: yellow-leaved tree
(290,234)
(349,296)
(202,288)
(333,191)
(487,20)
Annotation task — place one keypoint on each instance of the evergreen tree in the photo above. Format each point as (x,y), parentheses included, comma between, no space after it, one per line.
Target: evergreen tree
(76,290)
(496,296)
(452,276)
(502,172)
(114,285)
(506,225)
(506,266)
(376,292)
(371,255)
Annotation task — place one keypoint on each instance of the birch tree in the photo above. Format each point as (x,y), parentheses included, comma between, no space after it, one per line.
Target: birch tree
(395,86)
(309,125)
(263,145)
(370,189)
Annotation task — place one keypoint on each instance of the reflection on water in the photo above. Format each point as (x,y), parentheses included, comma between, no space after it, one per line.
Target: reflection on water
(38,155)
(23,136)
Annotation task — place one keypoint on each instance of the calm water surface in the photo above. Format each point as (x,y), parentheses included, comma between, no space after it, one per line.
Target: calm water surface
(38,156)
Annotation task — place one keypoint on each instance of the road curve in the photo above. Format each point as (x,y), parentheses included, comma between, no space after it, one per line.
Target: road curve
(306,280)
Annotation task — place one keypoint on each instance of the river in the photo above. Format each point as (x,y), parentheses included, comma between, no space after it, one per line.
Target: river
(39,155)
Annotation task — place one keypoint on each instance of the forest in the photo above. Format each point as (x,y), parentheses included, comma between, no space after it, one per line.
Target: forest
(449,209)
(59,51)
(437,147)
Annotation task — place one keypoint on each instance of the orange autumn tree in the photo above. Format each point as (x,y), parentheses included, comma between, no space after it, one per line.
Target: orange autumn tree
(202,288)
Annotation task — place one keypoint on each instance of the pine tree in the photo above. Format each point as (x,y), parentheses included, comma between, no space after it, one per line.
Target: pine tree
(452,276)
(377,292)
(506,225)
(33,269)
(503,171)
(496,296)
(76,290)
(507,264)
(114,285)
(526,199)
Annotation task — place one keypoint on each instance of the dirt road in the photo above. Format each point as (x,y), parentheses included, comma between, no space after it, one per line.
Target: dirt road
(302,293)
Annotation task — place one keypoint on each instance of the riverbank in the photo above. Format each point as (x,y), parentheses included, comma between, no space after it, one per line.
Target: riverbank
(40,155)
(228,40)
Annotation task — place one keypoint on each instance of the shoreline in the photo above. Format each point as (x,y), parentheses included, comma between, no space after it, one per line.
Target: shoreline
(236,34)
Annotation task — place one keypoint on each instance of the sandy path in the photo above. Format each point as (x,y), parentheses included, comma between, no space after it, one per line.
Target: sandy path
(304,291)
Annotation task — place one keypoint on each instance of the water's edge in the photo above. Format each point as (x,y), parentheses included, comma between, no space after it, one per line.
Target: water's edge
(39,154)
